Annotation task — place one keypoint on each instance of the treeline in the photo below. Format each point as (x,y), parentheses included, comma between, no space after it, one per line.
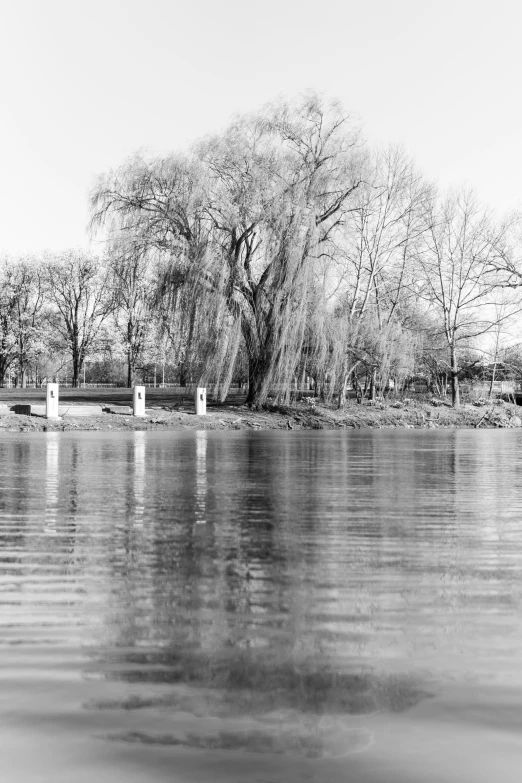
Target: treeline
(280,250)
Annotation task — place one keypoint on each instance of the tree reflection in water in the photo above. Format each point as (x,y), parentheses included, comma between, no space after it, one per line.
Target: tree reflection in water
(201,477)
(52,480)
(139,457)
(337,579)
(232,616)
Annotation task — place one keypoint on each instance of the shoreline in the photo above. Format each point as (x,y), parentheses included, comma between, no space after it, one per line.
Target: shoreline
(175,415)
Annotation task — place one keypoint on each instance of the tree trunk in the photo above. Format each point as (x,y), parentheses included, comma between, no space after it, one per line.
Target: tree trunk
(252,395)
(342,391)
(373,383)
(259,367)
(76,367)
(130,370)
(344,383)
(303,377)
(318,385)
(3,369)
(358,390)
(255,383)
(455,390)
(492,378)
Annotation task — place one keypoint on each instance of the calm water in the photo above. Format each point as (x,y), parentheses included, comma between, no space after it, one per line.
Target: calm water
(233,606)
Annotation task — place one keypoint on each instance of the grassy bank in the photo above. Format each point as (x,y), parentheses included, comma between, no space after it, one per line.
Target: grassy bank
(174,410)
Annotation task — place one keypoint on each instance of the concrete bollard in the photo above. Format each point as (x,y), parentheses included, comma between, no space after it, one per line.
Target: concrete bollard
(51,401)
(138,401)
(201,402)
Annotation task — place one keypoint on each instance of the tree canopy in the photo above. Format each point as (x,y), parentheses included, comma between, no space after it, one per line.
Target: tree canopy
(282,250)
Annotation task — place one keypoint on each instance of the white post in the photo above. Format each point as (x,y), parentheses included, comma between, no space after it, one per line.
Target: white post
(201,402)
(51,401)
(138,401)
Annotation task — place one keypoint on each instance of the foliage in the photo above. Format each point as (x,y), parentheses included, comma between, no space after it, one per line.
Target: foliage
(280,250)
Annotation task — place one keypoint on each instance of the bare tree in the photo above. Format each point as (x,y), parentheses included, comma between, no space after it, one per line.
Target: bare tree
(454,263)
(7,321)
(505,310)
(158,207)
(78,288)
(371,270)
(134,289)
(23,312)
(28,283)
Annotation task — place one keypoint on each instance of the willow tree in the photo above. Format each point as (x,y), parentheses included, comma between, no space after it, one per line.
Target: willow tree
(278,186)
(244,220)
(156,207)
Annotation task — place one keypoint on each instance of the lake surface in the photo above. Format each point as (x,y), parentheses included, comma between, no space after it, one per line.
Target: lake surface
(261,606)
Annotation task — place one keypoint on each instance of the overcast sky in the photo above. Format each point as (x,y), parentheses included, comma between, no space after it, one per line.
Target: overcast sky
(87,82)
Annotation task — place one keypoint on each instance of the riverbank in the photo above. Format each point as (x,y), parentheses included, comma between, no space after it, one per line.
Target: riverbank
(169,410)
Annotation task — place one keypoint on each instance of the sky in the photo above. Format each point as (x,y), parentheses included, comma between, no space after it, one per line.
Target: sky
(85,83)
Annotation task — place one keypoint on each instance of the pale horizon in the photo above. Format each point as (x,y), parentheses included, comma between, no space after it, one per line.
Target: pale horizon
(87,85)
